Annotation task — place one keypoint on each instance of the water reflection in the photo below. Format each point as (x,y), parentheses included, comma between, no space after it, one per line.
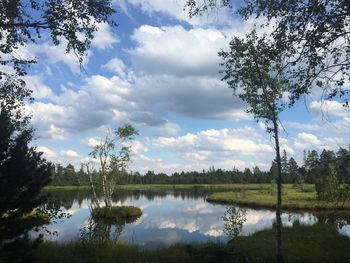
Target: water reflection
(174,216)
(104,230)
(234,218)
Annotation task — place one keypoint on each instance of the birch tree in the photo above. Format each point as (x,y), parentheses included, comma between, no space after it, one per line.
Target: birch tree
(253,69)
(113,155)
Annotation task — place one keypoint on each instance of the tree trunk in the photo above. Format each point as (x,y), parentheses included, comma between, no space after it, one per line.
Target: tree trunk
(104,186)
(279,255)
(94,196)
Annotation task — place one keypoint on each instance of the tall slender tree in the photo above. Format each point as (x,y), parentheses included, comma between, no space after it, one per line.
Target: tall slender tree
(253,71)
(113,154)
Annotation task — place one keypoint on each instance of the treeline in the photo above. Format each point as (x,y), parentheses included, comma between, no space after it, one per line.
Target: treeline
(315,167)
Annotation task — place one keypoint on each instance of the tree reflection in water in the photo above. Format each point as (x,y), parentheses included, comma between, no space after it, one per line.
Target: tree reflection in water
(234,218)
(103,229)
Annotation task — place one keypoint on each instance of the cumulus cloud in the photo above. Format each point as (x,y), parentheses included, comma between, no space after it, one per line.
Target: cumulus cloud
(309,138)
(116,65)
(57,54)
(103,37)
(232,140)
(177,51)
(36,84)
(147,91)
(138,147)
(330,108)
(69,154)
(225,149)
(47,153)
(92,142)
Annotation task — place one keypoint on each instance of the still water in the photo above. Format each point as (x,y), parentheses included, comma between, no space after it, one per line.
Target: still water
(168,217)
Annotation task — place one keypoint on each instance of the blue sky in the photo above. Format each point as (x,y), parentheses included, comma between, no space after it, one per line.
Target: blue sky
(159,71)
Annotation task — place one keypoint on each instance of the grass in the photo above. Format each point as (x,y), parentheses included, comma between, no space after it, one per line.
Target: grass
(67,187)
(34,216)
(292,199)
(115,251)
(12,226)
(318,243)
(126,213)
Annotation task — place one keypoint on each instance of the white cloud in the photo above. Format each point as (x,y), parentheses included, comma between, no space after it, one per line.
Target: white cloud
(177,51)
(36,84)
(103,37)
(69,154)
(217,140)
(47,153)
(330,108)
(116,65)
(309,138)
(138,147)
(92,142)
(302,126)
(57,54)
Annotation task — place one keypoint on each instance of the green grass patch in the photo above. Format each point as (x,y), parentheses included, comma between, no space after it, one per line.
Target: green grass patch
(115,251)
(318,243)
(35,216)
(12,226)
(66,187)
(127,213)
(292,199)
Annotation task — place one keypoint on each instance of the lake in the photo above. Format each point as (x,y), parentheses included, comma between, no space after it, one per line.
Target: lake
(169,217)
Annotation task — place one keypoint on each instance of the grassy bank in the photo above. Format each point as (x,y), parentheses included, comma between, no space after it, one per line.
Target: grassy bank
(292,199)
(67,187)
(319,243)
(114,251)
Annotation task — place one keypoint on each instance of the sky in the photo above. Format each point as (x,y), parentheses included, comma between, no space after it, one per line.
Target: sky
(159,71)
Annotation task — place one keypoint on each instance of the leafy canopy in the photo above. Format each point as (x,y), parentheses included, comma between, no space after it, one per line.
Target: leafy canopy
(313,35)
(253,71)
(24,21)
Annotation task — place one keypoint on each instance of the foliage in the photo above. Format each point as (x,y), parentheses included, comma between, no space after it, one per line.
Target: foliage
(254,70)
(314,36)
(23,172)
(328,188)
(71,22)
(234,218)
(113,155)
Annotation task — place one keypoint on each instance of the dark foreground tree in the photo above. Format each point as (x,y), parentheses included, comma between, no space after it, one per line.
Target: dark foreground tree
(23,172)
(253,70)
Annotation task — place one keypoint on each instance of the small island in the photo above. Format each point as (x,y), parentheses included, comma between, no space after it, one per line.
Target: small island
(123,213)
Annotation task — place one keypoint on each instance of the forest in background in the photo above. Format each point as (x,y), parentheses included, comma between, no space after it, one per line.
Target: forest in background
(315,167)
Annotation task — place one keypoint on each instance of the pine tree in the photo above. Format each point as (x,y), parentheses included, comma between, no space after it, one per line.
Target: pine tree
(23,172)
